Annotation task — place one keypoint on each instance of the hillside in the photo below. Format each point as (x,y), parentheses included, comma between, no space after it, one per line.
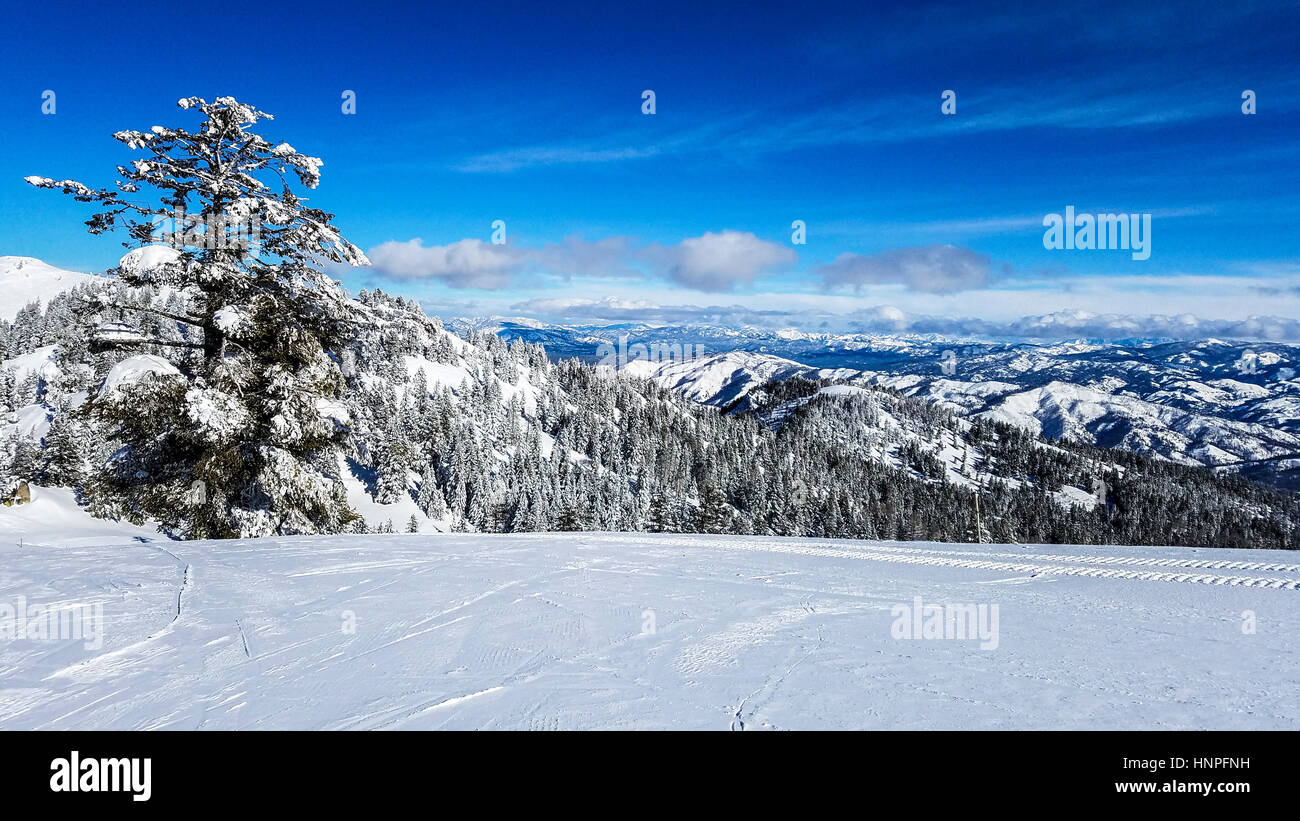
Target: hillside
(24,280)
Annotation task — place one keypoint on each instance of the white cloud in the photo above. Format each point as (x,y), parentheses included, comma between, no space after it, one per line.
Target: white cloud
(721,261)
(936,269)
(580,305)
(467,263)
(890,319)
(1045,315)
(711,262)
(574,256)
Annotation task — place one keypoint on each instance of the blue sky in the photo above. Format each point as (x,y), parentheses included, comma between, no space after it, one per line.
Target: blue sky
(532,114)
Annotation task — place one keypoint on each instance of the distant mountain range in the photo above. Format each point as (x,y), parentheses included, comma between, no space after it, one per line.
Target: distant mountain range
(1208,402)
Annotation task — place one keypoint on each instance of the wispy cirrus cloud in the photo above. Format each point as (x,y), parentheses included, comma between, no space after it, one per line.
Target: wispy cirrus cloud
(987,226)
(1071,75)
(513,159)
(1106,102)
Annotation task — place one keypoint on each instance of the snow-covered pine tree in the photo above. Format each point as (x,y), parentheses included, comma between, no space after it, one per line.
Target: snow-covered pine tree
(711,516)
(658,518)
(430,499)
(391,453)
(22,454)
(65,450)
(7,383)
(246,419)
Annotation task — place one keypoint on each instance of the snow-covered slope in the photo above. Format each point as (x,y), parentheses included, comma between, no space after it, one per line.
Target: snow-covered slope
(722,379)
(25,279)
(1091,416)
(600,630)
(56,507)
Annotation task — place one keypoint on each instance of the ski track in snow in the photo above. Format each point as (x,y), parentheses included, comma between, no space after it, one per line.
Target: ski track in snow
(933,558)
(549,631)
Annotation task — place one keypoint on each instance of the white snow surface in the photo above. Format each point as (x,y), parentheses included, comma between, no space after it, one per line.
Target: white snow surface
(26,279)
(623,631)
(44,362)
(56,506)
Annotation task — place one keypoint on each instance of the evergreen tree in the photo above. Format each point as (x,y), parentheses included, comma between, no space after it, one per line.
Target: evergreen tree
(246,419)
(659,521)
(65,451)
(22,454)
(431,500)
(711,516)
(570,519)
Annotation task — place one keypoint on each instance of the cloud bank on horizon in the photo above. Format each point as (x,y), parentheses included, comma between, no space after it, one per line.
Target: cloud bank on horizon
(888,319)
(883,170)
